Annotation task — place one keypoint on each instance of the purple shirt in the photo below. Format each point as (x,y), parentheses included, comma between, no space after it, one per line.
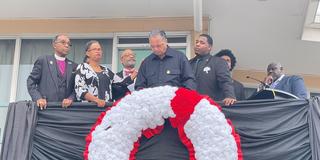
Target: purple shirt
(62,66)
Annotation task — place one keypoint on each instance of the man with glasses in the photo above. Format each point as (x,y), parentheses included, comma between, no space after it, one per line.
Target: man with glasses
(51,78)
(165,66)
(128,61)
(276,79)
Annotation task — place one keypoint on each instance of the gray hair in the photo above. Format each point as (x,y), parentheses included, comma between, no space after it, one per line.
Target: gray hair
(158,32)
(88,45)
(55,38)
(273,65)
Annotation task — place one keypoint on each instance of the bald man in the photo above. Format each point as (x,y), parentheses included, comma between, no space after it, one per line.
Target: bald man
(293,84)
(128,61)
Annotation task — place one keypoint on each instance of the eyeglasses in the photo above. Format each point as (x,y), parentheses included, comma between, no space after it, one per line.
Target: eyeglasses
(64,43)
(94,49)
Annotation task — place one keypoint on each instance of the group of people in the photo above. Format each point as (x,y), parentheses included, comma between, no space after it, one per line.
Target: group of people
(55,78)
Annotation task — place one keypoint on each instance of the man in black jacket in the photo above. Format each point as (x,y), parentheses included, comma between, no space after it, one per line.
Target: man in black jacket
(212,73)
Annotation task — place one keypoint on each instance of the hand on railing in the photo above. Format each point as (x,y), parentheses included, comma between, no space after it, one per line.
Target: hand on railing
(66,103)
(100,102)
(42,103)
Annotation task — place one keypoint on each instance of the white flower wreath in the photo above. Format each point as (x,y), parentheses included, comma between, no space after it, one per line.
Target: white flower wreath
(122,125)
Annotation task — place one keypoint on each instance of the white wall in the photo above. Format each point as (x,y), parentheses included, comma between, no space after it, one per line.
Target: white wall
(263,31)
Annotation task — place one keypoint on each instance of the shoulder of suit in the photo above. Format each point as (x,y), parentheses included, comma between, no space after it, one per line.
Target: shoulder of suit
(71,62)
(217,60)
(44,57)
(237,82)
(293,77)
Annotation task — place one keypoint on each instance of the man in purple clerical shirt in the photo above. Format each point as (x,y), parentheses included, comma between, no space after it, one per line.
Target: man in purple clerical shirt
(51,79)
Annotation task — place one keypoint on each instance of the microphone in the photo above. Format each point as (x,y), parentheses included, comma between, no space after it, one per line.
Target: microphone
(265,85)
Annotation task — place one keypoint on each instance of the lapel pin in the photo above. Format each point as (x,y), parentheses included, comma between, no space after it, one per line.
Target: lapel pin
(168,72)
(206,69)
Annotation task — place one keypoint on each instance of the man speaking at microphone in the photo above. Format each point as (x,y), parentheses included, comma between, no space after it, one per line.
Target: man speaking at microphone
(293,84)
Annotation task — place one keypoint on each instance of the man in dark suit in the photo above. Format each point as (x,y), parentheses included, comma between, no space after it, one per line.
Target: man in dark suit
(212,73)
(231,60)
(51,79)
(278,80)
(128,61)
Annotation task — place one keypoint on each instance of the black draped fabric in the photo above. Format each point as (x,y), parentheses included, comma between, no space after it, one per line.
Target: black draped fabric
(19,128)
(60,133)
(165,146)
(314,127)
(269,129)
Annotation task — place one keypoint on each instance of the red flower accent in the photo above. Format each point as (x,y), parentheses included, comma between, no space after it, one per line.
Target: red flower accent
(134,150)
(183,106)
(148,133)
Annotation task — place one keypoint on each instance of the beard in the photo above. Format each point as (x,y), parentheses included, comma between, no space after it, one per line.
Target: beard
(130,64)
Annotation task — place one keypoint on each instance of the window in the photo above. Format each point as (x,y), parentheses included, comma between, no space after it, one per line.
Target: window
(311,29)
(317,17)
(6,63)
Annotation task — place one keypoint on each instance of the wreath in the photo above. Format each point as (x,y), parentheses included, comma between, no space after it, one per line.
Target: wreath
(201,125)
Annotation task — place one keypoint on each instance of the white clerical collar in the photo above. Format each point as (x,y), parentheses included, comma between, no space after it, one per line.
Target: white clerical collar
(279,79)
(59,57)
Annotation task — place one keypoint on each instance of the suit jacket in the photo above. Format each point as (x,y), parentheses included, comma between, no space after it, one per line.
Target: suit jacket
(43,79)
(213,77)
(238,90)
(294,85)
(119,93)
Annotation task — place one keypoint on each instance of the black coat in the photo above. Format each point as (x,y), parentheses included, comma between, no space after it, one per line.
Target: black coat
(43,79)
(213,77)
